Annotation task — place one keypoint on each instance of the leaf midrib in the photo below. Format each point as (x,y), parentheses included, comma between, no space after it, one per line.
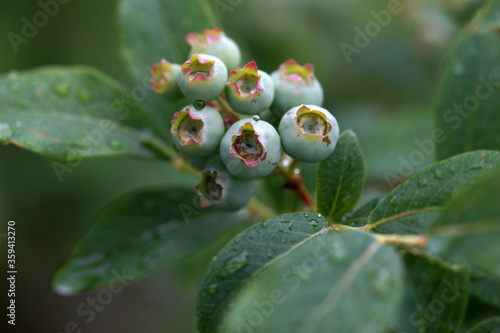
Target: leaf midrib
(325,306)
(142,136)
(339,187)
(264,266)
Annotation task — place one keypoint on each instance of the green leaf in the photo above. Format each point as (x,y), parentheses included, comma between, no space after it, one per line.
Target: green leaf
(286,241)
(491,326)
(151,30)
(359,217)
(138,234)
(412,205)
(468,96)
(486,288)
(335,282)
(468,229)
(438,295)
(68,114)
(396,142)
(244,256)
(341,178)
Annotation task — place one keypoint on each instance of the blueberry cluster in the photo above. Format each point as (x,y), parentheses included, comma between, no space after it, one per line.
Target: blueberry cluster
(222,132)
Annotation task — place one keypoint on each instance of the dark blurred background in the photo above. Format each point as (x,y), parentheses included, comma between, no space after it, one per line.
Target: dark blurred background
(384,94)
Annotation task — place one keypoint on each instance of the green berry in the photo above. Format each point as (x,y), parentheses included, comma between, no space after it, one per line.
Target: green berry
(216,43)
(164,76)
(220,188)
(249,90)
(295,85)
(308,133)
(197,133)
(250,148)
(203,77)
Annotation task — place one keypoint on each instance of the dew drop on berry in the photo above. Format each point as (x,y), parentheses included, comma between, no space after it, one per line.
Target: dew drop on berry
(199,104)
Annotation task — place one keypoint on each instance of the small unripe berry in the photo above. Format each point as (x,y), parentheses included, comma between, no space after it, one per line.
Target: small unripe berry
(216,43)
(249,90)
(250,148)
(294,85)
(203,77)
(197,133)
(164,76)
(308,133)
(220,188)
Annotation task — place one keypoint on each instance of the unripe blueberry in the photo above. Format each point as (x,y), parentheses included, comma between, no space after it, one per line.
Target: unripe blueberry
(203,77)
(164,76)
(216,43)
(250,148)
(295,85)
(197,133)
(308,133)
(249,90)
(220,188)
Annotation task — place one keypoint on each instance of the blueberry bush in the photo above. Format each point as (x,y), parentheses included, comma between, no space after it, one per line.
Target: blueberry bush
(311,250)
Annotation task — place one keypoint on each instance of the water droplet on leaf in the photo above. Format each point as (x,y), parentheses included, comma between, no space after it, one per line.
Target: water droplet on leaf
(84,97)
(458,68)
(13,85)
(394,200)
(234,264)
(263,224)
(338,253)
(381,281)
(476,167)
(115,144)
(61,89)
(5,132)
(438,174)
(72,156)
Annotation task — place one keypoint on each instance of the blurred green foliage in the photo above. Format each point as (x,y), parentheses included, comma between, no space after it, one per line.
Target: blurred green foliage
(384,94)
